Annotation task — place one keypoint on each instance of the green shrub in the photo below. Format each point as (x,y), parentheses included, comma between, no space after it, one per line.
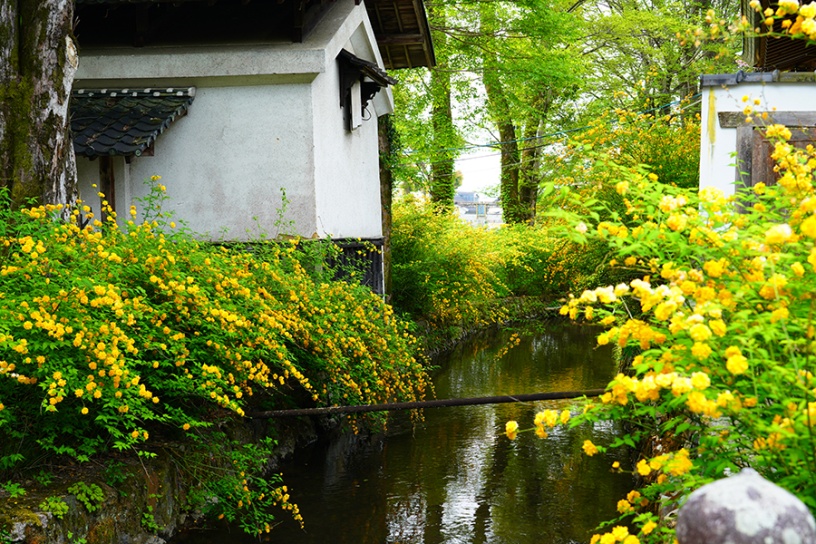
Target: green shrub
(55,505)
(721,319)
(111,334)
(456,276)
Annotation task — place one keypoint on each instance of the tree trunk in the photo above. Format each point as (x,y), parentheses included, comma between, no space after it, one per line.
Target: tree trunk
(445,139)
(443,180)
(38,60)
(529,175)
(385,132)
(499,110)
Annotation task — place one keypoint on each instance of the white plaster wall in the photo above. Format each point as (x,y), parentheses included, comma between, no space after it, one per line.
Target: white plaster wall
(89,186)
(264,117)
(347,162)
(224,164)
(718,145)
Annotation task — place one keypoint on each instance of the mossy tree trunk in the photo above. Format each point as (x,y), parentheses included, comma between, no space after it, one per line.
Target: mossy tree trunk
(38,59)
(445,135)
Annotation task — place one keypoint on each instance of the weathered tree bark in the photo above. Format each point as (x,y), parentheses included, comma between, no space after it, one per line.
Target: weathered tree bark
(443,179)
(38,60)
(499,109)
(529,174)
(385,133)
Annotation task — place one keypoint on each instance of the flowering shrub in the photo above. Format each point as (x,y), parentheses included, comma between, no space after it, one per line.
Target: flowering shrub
(110,335)
(456,276)
(631,139)
(722,321)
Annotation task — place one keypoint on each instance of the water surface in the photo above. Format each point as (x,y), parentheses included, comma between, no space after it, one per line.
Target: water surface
(456,479)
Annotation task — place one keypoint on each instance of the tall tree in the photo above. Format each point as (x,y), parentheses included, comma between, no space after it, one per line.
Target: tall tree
(38,60)
(639,61)
(529,66)
(445,137)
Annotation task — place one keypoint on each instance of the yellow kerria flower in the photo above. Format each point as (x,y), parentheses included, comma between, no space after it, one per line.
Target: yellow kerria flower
(648,527)
(620,533)
(511,429)
(778,234)
(736,364)
(700,380)
(643,468)
(589,448)
(700,332)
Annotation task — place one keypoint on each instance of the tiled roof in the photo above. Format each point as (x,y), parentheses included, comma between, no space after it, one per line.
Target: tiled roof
(123,122)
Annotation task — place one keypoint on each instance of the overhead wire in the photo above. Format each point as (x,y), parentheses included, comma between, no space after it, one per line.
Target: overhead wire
(553,135)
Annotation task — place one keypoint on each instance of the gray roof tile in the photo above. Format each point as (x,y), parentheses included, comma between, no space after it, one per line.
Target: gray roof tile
(123,121)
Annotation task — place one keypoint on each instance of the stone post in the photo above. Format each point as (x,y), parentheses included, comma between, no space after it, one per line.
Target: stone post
(744,509)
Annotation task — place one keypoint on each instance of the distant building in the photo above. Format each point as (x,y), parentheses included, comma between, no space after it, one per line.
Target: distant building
(477,208)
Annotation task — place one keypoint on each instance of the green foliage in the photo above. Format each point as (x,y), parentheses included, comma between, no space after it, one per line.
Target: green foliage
(44,478)
(14,489)
(149,521)
(72,540)
(108,334)
(247,491)
(626,139)
(115,473)
(54,505)
(721,317)
(455,276)
(91,496)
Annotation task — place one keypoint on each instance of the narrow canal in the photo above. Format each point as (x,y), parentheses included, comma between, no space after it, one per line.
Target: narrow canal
(456,478)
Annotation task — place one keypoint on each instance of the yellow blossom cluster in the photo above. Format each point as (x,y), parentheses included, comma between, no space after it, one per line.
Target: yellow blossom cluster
(714,322)
(133,327)
(798,20)
(619,533)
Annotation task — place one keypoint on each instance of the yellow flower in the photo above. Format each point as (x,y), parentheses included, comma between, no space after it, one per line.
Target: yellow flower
(736,364)
(643,468)
(779,314)
(700,350)
(565,416)
(511,429)
(778,234)
(589,448)
(798,269)
(700,332)
(648,527)
(624,506)
(620,532)
(677,222)
(700,380)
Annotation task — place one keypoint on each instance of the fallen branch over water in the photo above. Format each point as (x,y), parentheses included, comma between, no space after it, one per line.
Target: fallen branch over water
(436,403)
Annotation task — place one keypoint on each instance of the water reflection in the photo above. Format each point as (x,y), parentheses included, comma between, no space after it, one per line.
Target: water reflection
(456,478)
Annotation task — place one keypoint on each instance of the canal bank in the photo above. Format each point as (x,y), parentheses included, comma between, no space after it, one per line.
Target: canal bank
(452,478)
(455,477)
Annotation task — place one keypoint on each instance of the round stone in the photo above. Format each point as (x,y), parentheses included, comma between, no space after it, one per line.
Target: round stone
(744,509)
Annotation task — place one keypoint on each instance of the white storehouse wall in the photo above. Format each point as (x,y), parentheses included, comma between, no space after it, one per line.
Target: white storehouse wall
(783,93)
(265,117)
